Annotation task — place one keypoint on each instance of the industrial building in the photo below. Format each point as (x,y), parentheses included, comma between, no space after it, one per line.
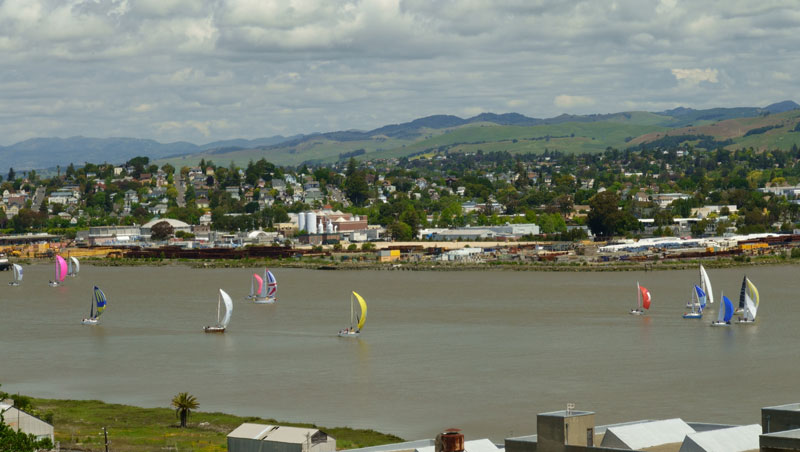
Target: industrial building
(274,438)
(451,440)
(24,422)
(575,431)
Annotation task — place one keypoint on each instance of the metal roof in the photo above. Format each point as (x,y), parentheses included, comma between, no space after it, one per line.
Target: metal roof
(647,434)
(784,434)
(397,447)
(478,445)
(734,439)
(276,433)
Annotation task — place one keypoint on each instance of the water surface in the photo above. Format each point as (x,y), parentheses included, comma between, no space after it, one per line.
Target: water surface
(483,351)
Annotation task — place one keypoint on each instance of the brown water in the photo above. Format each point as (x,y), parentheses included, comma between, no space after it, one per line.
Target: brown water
(483,351)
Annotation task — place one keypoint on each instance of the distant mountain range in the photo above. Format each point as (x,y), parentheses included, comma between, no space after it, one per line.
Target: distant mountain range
(768,127)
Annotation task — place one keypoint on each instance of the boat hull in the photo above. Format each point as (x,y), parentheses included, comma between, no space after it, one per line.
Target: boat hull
(738,311)
(89,321)
(746,321)
(214,329)
(264,300)
(693,315)
(53,284)
(13,283)
(717,323)
(636,312)
(349,333)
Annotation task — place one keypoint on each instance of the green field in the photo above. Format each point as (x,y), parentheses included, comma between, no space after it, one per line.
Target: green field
(79,425)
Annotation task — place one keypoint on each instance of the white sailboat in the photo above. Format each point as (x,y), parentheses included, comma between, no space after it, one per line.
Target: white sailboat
(725,312)
(642,300)
(705,285)
(697,301)
(253,291)
(17,275)
(356,321)
(224,311)
(73,267)
(751,302)
(97,306)
(268,288)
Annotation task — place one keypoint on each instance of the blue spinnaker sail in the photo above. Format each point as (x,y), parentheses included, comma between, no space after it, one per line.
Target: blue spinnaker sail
(728,309)
(701,297)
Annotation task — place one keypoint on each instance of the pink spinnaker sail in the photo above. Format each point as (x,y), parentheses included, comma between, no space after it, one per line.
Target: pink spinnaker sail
(61,269)
(260,283)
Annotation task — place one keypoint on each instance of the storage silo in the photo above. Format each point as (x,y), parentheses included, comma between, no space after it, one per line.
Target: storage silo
(311,222)
(301,221)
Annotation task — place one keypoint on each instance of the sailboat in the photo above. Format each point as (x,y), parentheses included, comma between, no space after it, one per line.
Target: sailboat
(725,313)
(255,286)
(740,309)
(17,272)
(642,300)
(224,310)
(697,302)
(97,306)
(73,266)
(252,288)
(356,321)
(267,288)
(61,272)
(705,285)
(751,301)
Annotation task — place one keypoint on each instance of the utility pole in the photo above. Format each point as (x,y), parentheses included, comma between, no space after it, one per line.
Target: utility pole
(105,436)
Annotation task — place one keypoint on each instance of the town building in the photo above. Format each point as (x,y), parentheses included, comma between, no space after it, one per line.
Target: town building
(25,422)
(273,438)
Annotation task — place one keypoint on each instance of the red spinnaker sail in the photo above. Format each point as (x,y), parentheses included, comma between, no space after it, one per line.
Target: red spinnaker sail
(645,297)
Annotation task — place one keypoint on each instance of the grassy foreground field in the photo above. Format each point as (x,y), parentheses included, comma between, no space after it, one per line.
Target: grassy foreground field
(79,426)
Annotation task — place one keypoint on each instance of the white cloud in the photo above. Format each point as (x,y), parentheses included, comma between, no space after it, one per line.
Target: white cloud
(291,66)
(695,76)
(567,101)
(783,76)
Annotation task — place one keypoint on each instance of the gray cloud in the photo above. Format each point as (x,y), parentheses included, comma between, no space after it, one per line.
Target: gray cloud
(202,71)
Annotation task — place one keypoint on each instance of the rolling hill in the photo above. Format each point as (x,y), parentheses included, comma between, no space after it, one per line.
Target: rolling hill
(769,127)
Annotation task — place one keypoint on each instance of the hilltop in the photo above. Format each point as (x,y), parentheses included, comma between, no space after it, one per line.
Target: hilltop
(772,127)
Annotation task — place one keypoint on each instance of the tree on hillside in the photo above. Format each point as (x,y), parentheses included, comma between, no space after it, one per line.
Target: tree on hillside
(184,403)
(161,231)
(356,187)
(605,217)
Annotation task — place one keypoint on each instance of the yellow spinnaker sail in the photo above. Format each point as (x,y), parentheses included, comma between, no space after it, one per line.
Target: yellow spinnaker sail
(754,291)
(363,317)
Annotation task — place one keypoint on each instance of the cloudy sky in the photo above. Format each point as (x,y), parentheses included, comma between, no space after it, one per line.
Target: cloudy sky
(203,71)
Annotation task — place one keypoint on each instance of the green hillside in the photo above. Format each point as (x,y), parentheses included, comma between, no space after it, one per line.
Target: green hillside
(565,134)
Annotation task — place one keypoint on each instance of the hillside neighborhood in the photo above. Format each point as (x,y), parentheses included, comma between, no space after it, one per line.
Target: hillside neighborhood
(649,199)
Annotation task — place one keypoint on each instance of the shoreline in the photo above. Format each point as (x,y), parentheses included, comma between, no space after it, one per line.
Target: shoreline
(133,429)
(332,265)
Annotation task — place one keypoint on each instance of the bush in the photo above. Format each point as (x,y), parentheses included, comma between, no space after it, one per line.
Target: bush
(795,253)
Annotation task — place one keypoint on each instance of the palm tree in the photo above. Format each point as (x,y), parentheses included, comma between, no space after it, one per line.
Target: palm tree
(184,403)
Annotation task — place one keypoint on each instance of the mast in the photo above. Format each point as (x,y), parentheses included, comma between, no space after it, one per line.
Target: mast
(351,310)
(91,305)
(638,296)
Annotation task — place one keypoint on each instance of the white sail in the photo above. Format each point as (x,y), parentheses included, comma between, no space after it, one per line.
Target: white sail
(75,266)
(227,305)
(705,284)
(17,273)
(721,314)
(750,306)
